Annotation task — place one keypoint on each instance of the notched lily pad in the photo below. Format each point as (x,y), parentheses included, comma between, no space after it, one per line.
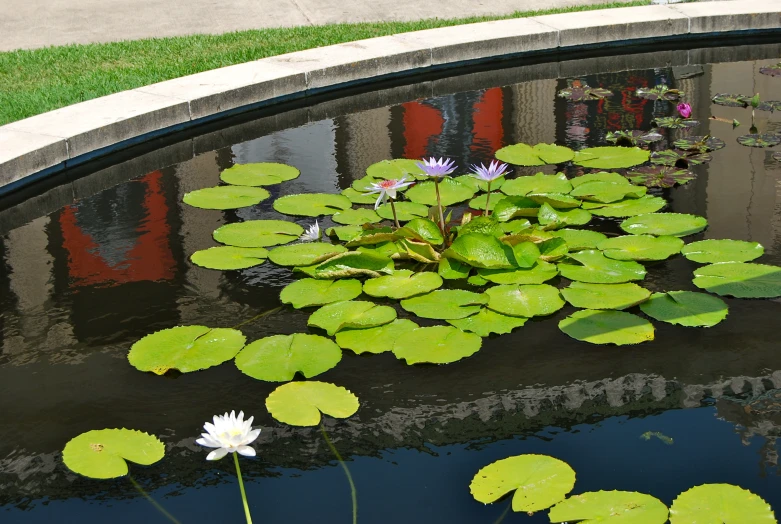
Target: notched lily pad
(402,284)
(537,274)
(679,159)
(548,216)
(436,345)
(259,174)
(660,176)
(487,321)
(604,296)
(759,140)
(278,358)
(607,327)
(309,292)
(481,250)
(610,507)
(610,157)
(312,204)
(304,254)
(445,304)
(524,300)
(740,279)
(510,207)
(225,197)
(538,155)
(539,183)
(104,453)
(712,251)
(720,503)
(356,217)
(674,122)
(395,169)
(351,314)
(685,308)
(258,233)
(450,191)
(641,247)
(300,403)
(374,340)
(596,268)
(579,239)
(774,70)
(404,211)
(228,258)
(700,144)
(672,224)
(633,137)
(659,92)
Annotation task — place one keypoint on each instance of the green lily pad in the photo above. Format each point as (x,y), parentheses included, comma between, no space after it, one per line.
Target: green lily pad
(740,279)
(359,197)
(225,197)
(260,174)
(685,308)
(604,296)
(526,254)
(538,155)
(393,250)
(478,184)
(487,321)
(185,348)
(640,247)
(553,249)
(610,507)
(445,304)
(539,482)
(579,239)
(537,274)
(659,224)
(510,207)
(404,211)
(631,138)
(436,345)
(548,216)
(628,207)
(450,191)
(376,235)
(422,230)
(660,176)
(228,257)
(356,217)
(278,358)
(395,169)
(451,269)
(711,251)
(610,157)
(674,122)
(515,226)
(607,191)
(258,233)
(311,292)
(305,254)
(362,185)
(662,92)
(374,340)
(759,140)
(530,300)
(476,280)
(344,233)
(556,200)
(300,403)
(312,204)
(354,263)
(478,202)
(722,503)
(539,183)
(596,268)
(351,314)
(607,327)
(480,250)
(420,251)
(402,284)
(484,225)
(103,453)
(701,144)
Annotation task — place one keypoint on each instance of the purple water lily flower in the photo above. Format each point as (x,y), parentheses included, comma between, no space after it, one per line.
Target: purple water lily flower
(685,110)
(437,168)
(490,173)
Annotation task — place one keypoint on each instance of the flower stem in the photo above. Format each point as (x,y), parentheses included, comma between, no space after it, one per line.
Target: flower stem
(393,208)
(152,501)
(241,487)
(488,199)
(504,514)
(439,207)
(353,494)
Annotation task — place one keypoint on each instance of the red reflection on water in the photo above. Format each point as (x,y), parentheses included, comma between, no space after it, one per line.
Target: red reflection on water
(487,121)
(422,123)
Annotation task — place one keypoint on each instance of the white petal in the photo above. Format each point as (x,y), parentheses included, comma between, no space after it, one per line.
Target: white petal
(254,434)
(208,442)
(217,454)
(379,199)
(392,193)
(247,451)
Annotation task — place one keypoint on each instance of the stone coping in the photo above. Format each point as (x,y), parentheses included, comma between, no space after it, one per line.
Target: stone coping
(46,144)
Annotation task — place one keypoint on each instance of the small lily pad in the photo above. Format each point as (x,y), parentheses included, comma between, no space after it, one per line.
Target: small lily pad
(610,157)
(641,247)
(402,284)
(225,197)
(229,257)
(539,183)
(305,254)
(404,211)
(720,503)
(374,340)
(445,304)
(633,138)
(479,201)
(685,308)
(355,263)
(604,296)
(524,300)
(259,174)
(607,327)
(481,250)
(300,403)
(553,249)
(356,217)
(103,453)
(701,144)
(278,358)
(731,100)
(395,169)
(451,269)
(258,233)
(579,239)
(711,251)
(548,216)
(659,92)
(510,207)
(359,197)
(351,314)
(436,345)
(607,191)
(344,233)
(674,122)
(740,279)
(537,274)
(759,140)
(774,70)
(659,224)
(596,268)
(610,507)
(680,159)
(627,207)
(660,176)
(538,155)
(579,92)
(312,204)
(309,292)
(450,191)
(487,321)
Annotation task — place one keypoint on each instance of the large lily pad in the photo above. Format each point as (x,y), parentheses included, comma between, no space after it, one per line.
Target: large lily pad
(225,197)
(548,216)
(556,200)
(640,247)
(604,296)
(481,250)
(610,507)
(311,292)
(359,197)
(487,321)
(228,257)
(259,174)
(537,274)
(451,269)
(402,284)
(103,453)
(478,184)
(538,155)
(552,249)
(579,239)
(680,159)
(479,201)
(607,191)
(300,403)
(628,207)
(759,140)
(685,308)
(701,144)
(524,300)
(539,481)
(422,230)
(355,263)
(740,279)
(450,192)
(720,503)
(304,254)
(515,206)
(596,268)
(312,204)
(395,169)
(610,157)
(351,314)
(711,251)
(258,233)
(539,183)
(660,176)
(436,345)
(445,304)
(659,224)
(185,348)
(607,327)
(482,224)
(278,358)
(356,217)
(404,211)
(374,340)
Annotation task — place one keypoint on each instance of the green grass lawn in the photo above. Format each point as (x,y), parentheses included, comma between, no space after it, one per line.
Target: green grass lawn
(36,81)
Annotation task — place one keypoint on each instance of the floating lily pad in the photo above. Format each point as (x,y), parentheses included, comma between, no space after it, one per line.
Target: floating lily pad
(674,122)
(510,207)
(344,233)
(402,283)
(356,217)
(445,304)
(487,321)
(610,507)
(610,157)
(480,250)
(422,230)
(524,300)
(553,249)
(305,254)
(362,185)
(730,100)
(659,92)
(278,358)
(450,191)
(627,207)
(740,279)
(539,183)
(556,200)
(351,314)
(484,225)
(451,269)
(537,274)
(711,251)
(607,327)
(679,159)
(579,239)
(359,197)
(479,201)
(633,138)
(480,185)
(228,257)
(225,197)
(672,224)
(720,503)
(420,251)
(395,169)
(258,233)
(548,216)
(300,403)
(404,211)
(259,174)
(604,296)
(579,92)
(701,144)
(539,482)
(374,340)
(612,188)
(311,292)
(771,70)
(641,247)
(436,345)
(538,155)
(375,235)
(685,308)
(355,263)
(515,226)
(660,176)
(185,348)
(596,268)
(526,254)
(759,140)
(103,453)
(312,204)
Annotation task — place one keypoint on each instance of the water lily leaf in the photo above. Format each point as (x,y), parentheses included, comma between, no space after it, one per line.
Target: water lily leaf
(259,174)
(376,235)
(539,482)
(185,348)
(740,279)
(553,249)
(487,321)
(720,503)
(533,234)
(633,138)
(711,251)
(351,314)
(480,185)
(610,507)
(526,254)
(420,251)
(539,183)
(392,250)
(404,211)
(478,202)
(658,92)
(605,191)
(360,197)
(674,122)
(579,239)
(771,70)
(759,140)
(450,191)
(436,345)
(640,247)
(660,176)
(610,157)
(607,327)
(305,254)
(628,207)
(685,308)
(524,300)
(312,204)
(702,144)
(311,292)
(445,304)
(515,226)
(582,92)
(539,155)
(278,358)
(102,453)
(300,403)
(225,197)
(451,269)
(354,263)
(730,100)
(515,206)
(229,257)
(258,233)
(485,225)
(673,224)
(556,200)
(548,216)
(537,274)
(344,233)
(356,217)
(422,230)
(402,284)
(480,250)
(476,280)
(596,268)
(679,159)
(604,296)
(395,169)
(374,340)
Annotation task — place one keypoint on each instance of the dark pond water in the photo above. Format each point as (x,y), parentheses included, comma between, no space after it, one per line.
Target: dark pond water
(92,265)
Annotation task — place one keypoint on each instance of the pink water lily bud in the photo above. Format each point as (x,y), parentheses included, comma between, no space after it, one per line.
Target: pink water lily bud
(685,110)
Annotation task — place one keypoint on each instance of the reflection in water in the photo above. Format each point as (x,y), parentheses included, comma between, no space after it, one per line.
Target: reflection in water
(81,284)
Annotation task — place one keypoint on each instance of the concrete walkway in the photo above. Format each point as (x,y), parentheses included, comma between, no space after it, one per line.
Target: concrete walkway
(28,24)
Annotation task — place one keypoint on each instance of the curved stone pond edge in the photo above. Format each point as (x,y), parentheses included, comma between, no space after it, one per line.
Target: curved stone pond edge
(46,144)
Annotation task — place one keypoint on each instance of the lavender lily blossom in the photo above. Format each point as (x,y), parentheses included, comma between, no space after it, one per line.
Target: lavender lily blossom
(489,174)
(438,169)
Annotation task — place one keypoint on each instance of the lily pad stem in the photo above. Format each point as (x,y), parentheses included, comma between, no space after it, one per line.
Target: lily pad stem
(504,513)
(152,501)
(393,208)
(241,487)
(269,312)
(439,207)
(353,493)
(488,199)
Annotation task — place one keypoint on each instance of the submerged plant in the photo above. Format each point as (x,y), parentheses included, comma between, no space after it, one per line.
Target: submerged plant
(387,190)
(660,92)
(489,174)
(438,169)
(578,92)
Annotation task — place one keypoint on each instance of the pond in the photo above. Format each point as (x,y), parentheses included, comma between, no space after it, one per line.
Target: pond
(93,265)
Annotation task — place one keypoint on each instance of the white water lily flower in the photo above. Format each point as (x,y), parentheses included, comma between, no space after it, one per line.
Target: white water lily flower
(312,234)
(387,187)
(229,434)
